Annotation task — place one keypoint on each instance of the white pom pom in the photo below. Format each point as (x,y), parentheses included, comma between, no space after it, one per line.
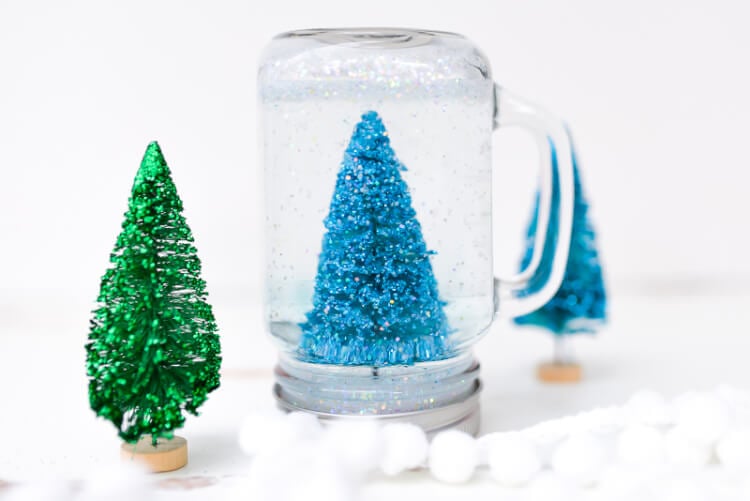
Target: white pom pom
(681,488)
(733,450)
(738,401)
(358,442)
(513,460)
(302,426)
(621,482)
(600,421)
(547,486)
(484,442)
(546,436)
(405,447)
(641,445)
(683,450)
(581,458)
(453,456)
(546,432)
(702,416)
(299,472)
(260,431)
(649,407)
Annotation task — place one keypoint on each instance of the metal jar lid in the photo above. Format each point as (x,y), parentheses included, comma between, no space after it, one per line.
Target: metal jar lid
(461,413)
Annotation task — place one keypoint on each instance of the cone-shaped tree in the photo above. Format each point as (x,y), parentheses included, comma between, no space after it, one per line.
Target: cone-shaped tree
(153,350)
(376,299)
(580,303)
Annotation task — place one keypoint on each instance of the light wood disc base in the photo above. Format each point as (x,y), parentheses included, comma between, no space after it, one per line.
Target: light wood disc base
(556,372)
(168,455)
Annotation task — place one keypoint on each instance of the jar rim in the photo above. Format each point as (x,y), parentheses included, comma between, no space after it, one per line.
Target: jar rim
(370,37)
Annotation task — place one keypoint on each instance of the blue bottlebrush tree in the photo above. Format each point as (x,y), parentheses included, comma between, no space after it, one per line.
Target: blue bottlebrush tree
(579,306)
(376,298)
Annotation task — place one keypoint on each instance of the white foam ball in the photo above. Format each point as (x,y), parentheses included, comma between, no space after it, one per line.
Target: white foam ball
(302,471)
(580,457)
(547,432)
(483,445)
(273,430)
(683,450)
(260,431)
(738,401)
(546,486)
(642,445)
(513,460)
(327,479)
(680,488)
(733,450)
(622,481)
(302,426)
(601,421)
(358,442)
(405,447)
(546,436)
(733,395)
(649,407)
(702,416)
(453,456)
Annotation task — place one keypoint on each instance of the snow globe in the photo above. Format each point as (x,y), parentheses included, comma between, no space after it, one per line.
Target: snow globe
(376,150)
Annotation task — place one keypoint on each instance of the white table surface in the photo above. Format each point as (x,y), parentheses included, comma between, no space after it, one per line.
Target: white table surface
(660,341)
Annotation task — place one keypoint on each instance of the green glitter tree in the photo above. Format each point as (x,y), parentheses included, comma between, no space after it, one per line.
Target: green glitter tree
(153,351)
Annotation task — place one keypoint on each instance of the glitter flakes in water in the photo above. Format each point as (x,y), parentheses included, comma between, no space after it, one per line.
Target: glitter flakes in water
(580,303)
(376,298)
(153,350)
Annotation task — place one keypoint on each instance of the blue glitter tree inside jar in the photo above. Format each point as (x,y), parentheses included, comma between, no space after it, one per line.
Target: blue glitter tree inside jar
(377,163)
(376,300)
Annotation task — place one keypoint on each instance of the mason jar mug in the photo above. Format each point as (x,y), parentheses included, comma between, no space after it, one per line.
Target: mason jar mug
(377,158)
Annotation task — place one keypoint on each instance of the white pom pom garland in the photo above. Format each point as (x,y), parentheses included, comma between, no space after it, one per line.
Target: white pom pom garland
(650,437)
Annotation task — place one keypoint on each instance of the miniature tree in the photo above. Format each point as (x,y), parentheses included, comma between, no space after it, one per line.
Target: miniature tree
(579,306)
(153,351)
(376,298)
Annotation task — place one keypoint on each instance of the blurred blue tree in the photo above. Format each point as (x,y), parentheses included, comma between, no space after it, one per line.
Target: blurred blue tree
(579,306)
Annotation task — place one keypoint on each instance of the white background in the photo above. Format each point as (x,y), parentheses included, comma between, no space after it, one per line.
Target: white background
(655,92)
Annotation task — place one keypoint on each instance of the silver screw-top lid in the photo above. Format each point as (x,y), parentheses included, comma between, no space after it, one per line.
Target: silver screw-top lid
(438,397)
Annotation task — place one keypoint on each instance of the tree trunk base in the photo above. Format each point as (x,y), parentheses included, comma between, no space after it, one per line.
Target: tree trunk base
(559,372)
(168,455)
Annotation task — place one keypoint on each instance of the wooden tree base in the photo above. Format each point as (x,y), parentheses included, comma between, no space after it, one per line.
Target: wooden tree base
(556,372)
(168,455)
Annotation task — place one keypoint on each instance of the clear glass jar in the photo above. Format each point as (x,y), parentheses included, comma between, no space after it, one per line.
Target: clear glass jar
(378,165)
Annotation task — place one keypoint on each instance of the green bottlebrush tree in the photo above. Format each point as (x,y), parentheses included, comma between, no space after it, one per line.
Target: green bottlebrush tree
(153,351)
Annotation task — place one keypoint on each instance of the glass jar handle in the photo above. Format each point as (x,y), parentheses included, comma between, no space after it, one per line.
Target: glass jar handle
(537,283)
